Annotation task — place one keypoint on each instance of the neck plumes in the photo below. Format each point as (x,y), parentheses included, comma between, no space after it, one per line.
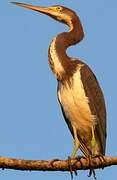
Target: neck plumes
(60,63)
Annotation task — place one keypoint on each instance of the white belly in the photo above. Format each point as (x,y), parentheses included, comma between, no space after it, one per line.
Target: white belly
(75,103)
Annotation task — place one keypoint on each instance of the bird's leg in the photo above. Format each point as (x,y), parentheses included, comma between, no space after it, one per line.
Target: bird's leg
(76,146)
(76,143)
(93,142)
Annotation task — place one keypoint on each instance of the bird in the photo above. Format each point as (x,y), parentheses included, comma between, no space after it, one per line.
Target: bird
(79,93)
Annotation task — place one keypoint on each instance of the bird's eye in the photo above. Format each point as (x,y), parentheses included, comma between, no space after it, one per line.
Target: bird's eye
(58,8)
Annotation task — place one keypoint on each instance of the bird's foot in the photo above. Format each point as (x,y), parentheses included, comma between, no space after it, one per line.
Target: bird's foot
(78,158)
(101,158)
(92,171)
(71,165)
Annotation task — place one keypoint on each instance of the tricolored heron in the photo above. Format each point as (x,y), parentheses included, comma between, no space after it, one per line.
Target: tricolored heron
(79,93)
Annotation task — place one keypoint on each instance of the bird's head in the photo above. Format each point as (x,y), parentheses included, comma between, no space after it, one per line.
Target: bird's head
(59,13)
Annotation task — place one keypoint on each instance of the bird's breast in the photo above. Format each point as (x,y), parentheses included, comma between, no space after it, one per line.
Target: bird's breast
(75,103)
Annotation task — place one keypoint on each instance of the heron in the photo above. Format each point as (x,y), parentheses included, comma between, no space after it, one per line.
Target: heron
(79,93)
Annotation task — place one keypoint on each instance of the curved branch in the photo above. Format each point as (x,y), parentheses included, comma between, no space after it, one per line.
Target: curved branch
(56,164)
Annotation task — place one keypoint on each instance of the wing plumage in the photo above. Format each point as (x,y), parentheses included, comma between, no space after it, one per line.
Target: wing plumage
(97,104)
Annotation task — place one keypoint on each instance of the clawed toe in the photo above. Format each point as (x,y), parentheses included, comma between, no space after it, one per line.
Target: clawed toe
(92,172)
(71,165)
(102,160)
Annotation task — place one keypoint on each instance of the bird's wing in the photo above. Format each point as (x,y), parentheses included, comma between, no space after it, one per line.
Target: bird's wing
(96,102)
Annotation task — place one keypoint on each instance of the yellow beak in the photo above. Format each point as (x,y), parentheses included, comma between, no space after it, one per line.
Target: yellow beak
(43,10)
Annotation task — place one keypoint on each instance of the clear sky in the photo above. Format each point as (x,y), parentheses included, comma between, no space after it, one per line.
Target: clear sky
(32,125)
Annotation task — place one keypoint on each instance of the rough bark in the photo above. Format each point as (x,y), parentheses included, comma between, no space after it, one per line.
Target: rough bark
(56,164)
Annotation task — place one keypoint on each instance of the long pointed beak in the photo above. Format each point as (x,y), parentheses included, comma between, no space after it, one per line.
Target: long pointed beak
(43,10)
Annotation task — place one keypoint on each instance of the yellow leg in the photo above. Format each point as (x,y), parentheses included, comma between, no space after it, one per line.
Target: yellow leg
(93,141)
(76,142)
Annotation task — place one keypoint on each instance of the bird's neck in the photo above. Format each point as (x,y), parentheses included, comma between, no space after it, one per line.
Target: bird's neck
(58,59)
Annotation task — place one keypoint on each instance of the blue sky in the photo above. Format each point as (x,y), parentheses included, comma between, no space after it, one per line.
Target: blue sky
(32,125)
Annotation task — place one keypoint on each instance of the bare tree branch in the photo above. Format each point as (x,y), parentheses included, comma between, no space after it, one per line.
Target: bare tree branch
(56,164)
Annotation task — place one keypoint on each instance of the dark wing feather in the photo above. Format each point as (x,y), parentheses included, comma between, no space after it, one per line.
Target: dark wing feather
(97,104)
